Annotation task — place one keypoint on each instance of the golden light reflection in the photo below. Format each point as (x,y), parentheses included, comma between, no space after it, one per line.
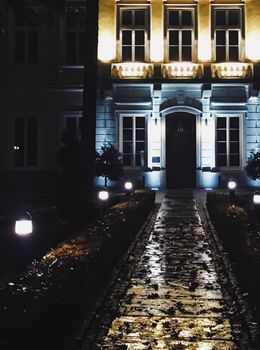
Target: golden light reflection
(106,46)
(204,47)
(132,70)
(204,346)
(182,70)
(253,46)
(232,70)
(156,47)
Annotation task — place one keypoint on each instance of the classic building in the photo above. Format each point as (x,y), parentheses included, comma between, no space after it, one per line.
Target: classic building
(178,90)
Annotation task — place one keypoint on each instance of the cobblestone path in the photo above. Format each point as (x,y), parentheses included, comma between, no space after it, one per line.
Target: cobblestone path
(174,300)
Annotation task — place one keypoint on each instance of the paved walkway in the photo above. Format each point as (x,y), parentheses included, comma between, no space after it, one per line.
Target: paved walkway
(175,300)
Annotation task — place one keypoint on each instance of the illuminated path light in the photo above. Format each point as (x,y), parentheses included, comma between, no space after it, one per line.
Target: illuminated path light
(173,298)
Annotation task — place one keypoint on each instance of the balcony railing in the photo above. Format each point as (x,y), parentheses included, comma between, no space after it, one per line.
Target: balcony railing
(132,70)
(229,70)
(182,70)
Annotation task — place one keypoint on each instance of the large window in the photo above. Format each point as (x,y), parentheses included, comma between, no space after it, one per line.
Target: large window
(133,34)
(227,34)
(133,137)
(25,142)
(75,37)
(71,124)
(180,34)
(228,141)
(26,41)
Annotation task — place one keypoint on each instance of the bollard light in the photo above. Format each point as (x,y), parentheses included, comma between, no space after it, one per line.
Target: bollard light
(256,198)
(103,195)
(23,224)
(128,187)
(232,185)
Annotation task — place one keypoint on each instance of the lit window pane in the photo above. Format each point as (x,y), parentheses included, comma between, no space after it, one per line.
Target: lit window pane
(233,18)
(139,17)
(173,53)
(220,18)
(140,122)
(127,122)
(233,37)
(139,37)
(174,37)
(220,37)
(127,53)
(127,18)
(234,122)
(221,122)
(186,54)
(233,53)
(234,160)
(174,18)
(139,54)
(221,160)
(186,18)
(127,37)
(186,37)
(220,54)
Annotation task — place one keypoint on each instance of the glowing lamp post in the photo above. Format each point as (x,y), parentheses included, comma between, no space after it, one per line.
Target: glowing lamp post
(232,187)
(23,224)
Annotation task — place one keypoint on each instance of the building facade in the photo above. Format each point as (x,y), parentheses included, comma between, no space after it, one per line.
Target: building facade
(178,90)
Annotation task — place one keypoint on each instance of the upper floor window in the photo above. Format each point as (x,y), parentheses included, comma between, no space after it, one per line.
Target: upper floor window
(227,34)
(71,124)
(133,34)
(180,34)
(75,37)
(25,142)
(26,41)
(228,139)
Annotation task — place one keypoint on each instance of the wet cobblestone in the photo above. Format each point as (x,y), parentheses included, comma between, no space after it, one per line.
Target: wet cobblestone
(174,300)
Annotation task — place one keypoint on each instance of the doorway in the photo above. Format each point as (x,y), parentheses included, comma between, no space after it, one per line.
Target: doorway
(181,150)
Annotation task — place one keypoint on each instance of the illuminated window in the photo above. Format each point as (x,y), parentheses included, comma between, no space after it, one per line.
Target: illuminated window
(133,34)
(228,141)
(133,136)
(180,34)
(228,34)
(25,142)
(26,41)
(75,37)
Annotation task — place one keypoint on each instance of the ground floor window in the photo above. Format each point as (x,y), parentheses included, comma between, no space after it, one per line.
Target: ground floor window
(133,139)
(228,139)
(25,142)
(71,125)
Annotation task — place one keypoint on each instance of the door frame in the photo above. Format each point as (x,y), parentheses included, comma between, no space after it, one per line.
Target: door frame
(169,112)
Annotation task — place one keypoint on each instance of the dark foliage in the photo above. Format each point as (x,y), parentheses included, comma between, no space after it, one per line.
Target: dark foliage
(108,163)
(253,166)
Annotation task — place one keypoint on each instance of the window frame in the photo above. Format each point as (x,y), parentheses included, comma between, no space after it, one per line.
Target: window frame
(133,28)
(180,29)
(227,29)
(26,29)
(25,145)
(77,115)
(240,116)
(78,30)
(121,141)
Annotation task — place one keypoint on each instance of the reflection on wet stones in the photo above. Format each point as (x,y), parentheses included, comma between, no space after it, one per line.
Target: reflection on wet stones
(174,300)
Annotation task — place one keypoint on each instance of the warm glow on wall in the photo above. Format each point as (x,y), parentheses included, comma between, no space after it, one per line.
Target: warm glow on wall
(156,47)
(204,47)
(253,45)
(106,46)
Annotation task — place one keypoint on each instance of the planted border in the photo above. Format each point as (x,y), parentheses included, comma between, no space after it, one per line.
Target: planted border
(61,287)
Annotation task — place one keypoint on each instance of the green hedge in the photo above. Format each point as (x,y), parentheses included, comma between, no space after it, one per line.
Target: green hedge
(55,290)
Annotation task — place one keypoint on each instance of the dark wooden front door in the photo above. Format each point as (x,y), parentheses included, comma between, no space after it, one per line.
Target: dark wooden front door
(180,150)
